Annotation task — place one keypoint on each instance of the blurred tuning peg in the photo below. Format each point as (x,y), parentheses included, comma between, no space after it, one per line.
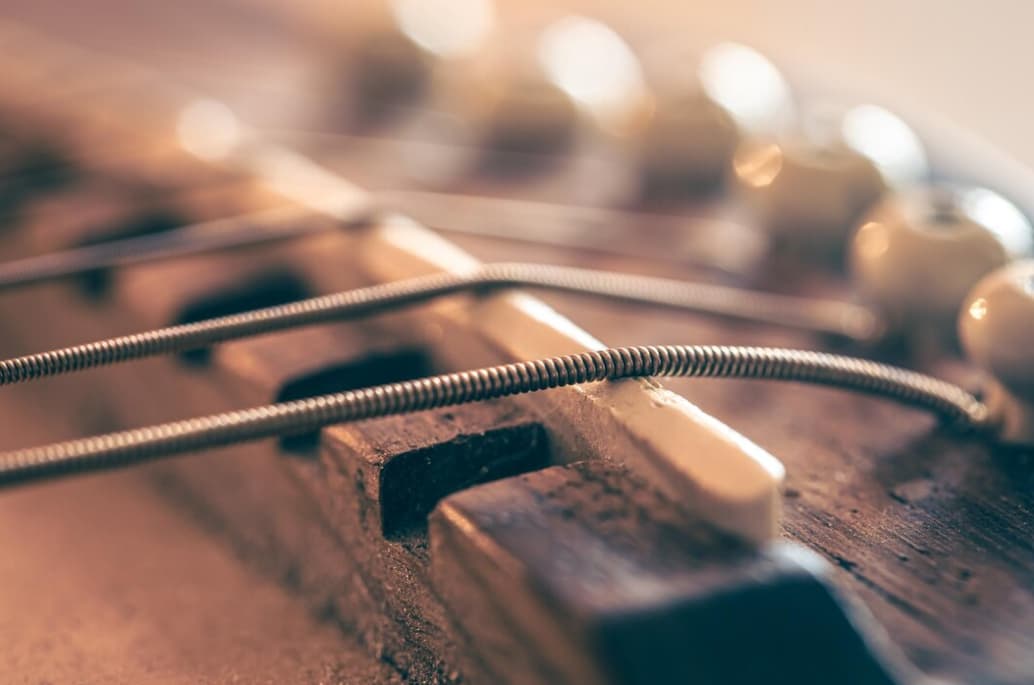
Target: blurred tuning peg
(996,326)
(598,70)
(505,102)
(749,86)
(808,195)
(873,132)
(918,253)
(527,95)
(686,142)
(697,106)
(399,42)
(29,166)
(389,69)
(809,188)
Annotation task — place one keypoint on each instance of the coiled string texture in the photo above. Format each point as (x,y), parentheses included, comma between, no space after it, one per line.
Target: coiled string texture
(124,448)
(838,318)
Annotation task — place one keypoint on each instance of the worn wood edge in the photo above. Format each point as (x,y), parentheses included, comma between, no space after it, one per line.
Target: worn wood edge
(462,544)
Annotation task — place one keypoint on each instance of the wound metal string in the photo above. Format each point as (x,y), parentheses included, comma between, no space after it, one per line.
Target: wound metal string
(144,444)
(842,319)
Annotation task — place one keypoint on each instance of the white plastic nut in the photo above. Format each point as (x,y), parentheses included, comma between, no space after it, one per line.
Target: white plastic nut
(917,254)
(996,327)
(805,193)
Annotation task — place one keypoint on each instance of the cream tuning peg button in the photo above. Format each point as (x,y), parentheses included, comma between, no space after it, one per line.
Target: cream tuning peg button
(700,102)
(526,114)
(807,195)
(916,255)
(686,138)
(749,86)
(996,326)
(873,132)
(597,69)
(886,139)
(388,68)
(399,42)
(503,97)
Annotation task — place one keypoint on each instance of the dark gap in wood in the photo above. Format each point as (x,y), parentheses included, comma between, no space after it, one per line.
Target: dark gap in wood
(268,289)
(413,483)
(373,369)
(97,283)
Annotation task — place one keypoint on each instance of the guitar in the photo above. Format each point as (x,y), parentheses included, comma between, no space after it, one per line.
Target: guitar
(712,530)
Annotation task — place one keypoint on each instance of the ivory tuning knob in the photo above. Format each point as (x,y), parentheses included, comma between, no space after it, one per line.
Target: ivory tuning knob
(917,254)
(500,104)
(388,68)
(685,141)
(532,91)
(30,165)
(505,100)
(810,188)
(699,106)
(996,327)
(806,194)
(399,43)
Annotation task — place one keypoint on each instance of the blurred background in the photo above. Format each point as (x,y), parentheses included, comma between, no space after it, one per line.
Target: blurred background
(964,62)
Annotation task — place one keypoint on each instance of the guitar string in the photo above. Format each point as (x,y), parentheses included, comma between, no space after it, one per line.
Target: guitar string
(555,225)
(163,440)
(456,388)
(280,224)
(168,439)
(833,317)
(247,230)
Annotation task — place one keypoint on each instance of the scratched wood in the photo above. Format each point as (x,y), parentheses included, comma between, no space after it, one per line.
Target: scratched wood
(103,582)
(931,531)
(659,599)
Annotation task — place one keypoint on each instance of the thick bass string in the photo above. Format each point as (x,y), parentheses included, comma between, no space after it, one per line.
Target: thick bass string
(287,418)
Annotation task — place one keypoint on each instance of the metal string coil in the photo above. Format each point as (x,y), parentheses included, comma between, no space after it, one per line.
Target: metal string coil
(824,316)
(154,442)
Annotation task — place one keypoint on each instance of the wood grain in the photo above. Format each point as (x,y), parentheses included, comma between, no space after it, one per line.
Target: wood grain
(581,574)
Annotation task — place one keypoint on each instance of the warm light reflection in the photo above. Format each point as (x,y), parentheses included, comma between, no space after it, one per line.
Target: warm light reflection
(208,129)
(747,84)
(448,28)
(1002,217)
(590,62)
(871,240)
(887,140)
(299,178)
(978,308)
(758,165)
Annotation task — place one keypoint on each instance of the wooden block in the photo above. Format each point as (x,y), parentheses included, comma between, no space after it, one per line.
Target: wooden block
(371,489)
(104,582)
(580,574)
